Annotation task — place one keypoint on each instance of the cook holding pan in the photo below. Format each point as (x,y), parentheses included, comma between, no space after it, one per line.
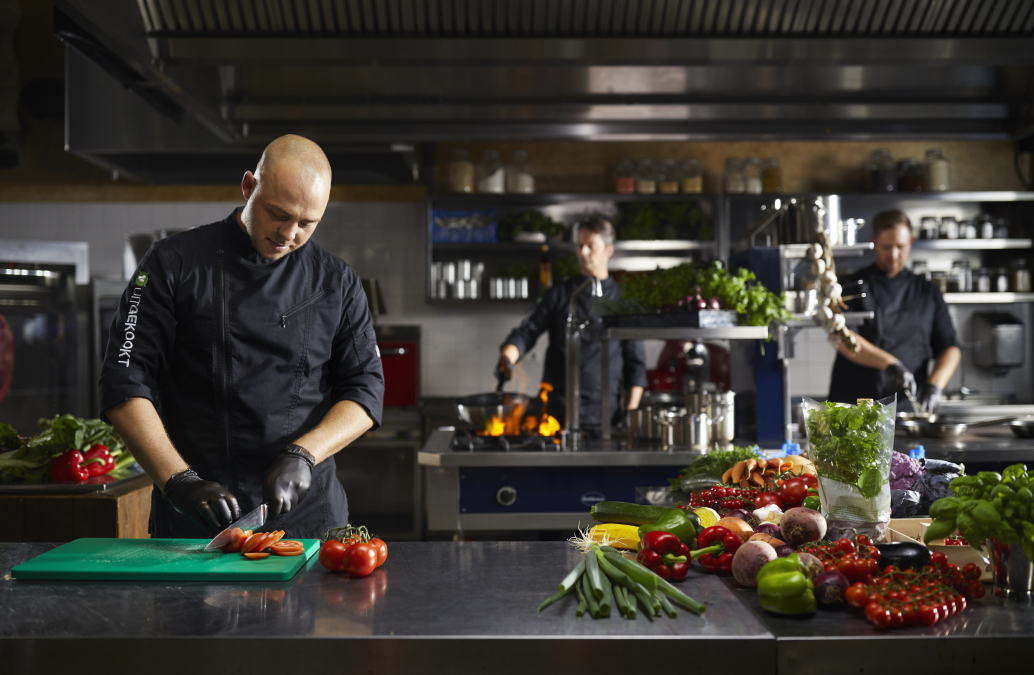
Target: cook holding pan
(911,328)
(627,358)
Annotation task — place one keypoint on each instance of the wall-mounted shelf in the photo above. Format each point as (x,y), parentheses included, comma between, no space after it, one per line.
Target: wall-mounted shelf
(490,200)
(808,320)
(619,246)
(970,244)
(987,298)
(790,251)
(886,197)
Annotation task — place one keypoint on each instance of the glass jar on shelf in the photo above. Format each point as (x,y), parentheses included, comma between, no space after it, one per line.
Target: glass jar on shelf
(771,176)
(920,268)
(692,176)
(949,228)
(752,170)
(982,281)
(624,178)
(929,228)
(968,229)
(461,173)
(734,178)
(986,225)
(936,172)
(960,278)
(940,280)
(1019,276)
(668,177)
(910,176)
(1000,281)
(646,178)
(1001,228)
(490,174)
(520,179)
(882,175)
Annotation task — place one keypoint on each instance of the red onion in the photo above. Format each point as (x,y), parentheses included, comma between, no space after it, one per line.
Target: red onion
(829,589)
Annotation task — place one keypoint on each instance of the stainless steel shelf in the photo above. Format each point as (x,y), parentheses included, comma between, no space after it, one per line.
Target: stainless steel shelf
(661,245)
(730,333)
(806,320)
(799,250)
(545,199)
(619,246)
(987,298)
(893,197)
(970,244)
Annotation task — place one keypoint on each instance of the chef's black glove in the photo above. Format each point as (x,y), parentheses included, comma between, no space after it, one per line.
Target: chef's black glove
(288,479)
(930,398)
(901,377)
(207,503)
(503,369)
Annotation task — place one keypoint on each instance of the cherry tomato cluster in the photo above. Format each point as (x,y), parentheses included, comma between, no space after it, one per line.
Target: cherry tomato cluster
(858,560)
(955,540)
(724,498)
(353,550)
(909,597)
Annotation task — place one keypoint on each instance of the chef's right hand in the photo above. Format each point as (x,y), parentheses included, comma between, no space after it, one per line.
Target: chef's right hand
(207,503)
(901,377)
(503,369)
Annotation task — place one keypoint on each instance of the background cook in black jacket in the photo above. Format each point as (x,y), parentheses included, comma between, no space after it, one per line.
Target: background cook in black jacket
(911,326)
(627,357)
(254,350)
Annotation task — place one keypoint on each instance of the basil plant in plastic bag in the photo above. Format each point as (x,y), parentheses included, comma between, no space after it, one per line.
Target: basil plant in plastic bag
(851,447)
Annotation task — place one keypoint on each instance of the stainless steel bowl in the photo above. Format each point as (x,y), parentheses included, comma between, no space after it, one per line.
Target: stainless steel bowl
(1023,427)
(478,410)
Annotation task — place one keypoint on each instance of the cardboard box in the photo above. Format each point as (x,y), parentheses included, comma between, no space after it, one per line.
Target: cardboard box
(912,530)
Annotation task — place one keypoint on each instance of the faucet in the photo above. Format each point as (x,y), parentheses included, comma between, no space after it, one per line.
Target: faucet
(573,366)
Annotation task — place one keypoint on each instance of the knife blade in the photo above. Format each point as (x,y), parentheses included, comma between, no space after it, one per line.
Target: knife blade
(251,521)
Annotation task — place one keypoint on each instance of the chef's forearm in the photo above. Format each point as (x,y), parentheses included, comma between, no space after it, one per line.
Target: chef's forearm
(141,429)
(869,355)
(342,424)
(635,395)
(944,366)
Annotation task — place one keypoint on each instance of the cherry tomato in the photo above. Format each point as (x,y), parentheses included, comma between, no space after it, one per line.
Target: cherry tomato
(911,615)
(794,492)
(857,595)
(975,590)
(897,617)
(809,480)
(971,571)
(929,615)
(719,492)
(332,555)
(960,602)
(874,553)
(360,559)
(766,498)
(878,614)
(381,548)
(845,545)
(940,560)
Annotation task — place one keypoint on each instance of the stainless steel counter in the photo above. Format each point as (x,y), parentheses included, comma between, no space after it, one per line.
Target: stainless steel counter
(460,608)
(983,444)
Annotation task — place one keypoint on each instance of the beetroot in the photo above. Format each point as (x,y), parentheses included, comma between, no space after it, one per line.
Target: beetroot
(812,565)
(800,525)
(750,558)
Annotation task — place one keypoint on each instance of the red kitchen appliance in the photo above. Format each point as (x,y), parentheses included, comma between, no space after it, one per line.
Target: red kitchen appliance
(400,358)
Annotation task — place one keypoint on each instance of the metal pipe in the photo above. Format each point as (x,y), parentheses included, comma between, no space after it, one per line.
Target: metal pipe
(573,366)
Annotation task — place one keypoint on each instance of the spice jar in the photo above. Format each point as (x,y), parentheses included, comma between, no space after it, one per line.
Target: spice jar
(692,177)
(1019,276)
(646,178)
(624,178)
(936,172)
(734,179)
(921,269)
(960,279)
(986,225)
(968,229)
(949,228)
(929,228)
(1002,228)
(668,177)
(491,178)
(771,176)
(1000,283)
(982,281)
(519,176)
(940,280)
(882,176)
(461,172)
(910,176)
(752,168)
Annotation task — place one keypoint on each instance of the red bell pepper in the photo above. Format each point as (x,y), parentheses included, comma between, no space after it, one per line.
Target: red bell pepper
(664,555)
(68,468)
(98,461)
(715,548)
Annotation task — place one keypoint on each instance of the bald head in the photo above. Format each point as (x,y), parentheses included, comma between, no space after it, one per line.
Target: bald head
(286,196)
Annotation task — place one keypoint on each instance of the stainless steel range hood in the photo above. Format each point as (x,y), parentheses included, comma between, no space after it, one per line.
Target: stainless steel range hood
(222,77)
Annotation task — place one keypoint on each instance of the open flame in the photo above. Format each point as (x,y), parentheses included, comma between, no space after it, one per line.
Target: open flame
(548,425)
(514,425)
(508,426)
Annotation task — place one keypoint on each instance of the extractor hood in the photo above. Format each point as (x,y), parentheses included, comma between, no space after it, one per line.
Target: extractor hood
(204,82)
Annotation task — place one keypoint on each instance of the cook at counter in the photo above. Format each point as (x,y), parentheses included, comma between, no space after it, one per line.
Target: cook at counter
(627,358)
(911,327)
(243,357)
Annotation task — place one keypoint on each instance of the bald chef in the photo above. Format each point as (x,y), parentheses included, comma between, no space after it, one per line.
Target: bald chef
(243,357)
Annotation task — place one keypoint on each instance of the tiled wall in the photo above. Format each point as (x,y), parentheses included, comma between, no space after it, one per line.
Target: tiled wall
(381,240)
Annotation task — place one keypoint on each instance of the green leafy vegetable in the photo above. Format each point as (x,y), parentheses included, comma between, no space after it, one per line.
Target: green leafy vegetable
(59,435)
(519,222)
(9,437)
(662,220)
(848,441)
(715,463)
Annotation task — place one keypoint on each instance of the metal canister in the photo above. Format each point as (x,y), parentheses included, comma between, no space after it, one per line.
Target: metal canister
(1012,569)
(696,431)
(723,418)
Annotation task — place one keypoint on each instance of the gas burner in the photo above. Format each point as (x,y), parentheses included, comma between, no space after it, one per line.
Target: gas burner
(466,441)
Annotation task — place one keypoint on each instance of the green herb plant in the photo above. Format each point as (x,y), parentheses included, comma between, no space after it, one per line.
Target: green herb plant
(520,222)
(852,444)
(986,505)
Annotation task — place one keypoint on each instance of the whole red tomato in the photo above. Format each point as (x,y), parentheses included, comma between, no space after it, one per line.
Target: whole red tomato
(794,492)
(766,498)
(360,559)
(381,548)
(332,555)
(810,480)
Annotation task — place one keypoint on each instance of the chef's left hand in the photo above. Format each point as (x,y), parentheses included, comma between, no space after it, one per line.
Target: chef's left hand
(930,397)
(287,480)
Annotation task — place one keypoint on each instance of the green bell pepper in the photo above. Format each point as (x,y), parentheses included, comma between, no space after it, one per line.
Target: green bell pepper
(784,588)
(678,522)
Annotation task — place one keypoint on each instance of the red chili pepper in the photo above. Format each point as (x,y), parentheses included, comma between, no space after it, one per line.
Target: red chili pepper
(664,555)
(68,467)
(98,461)
(715,547)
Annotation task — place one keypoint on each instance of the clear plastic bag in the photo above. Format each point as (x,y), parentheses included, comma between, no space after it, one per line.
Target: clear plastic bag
(851,448)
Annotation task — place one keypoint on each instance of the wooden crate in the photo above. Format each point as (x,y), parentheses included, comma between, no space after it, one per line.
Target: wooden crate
(912,530)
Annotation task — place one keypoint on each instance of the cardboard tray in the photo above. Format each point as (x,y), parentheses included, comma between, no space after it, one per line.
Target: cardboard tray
(912,529)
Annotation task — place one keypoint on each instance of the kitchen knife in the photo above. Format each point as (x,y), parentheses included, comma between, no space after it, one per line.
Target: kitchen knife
(251,521)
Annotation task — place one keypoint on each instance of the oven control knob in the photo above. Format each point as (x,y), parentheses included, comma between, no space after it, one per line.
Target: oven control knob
(506,496)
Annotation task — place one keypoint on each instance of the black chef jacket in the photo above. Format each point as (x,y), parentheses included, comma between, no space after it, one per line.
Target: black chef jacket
(627,357)
(911,322)
(241,355)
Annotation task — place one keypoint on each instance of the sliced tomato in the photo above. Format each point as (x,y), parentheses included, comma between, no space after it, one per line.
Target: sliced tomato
(274,537)
(288,551)
(252,542)
(256,556)
(290,542)
(287,545)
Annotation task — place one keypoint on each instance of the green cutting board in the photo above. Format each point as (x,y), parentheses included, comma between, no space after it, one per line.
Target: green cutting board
(158,559)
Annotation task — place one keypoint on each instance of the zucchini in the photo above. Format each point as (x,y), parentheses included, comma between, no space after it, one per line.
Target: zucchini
(628,514)
(698,483)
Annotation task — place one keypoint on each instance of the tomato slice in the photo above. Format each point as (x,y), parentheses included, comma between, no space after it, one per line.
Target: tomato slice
(252,542)
(256,556)
(288,551)
(287,546)
(274,537)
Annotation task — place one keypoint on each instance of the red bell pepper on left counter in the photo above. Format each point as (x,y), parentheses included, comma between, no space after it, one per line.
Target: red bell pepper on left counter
(74,466)
(664,555)
(715,547)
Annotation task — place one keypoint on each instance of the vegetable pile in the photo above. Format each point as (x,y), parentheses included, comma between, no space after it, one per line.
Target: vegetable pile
(353,550)
(988,505)
(68,449)
(707,470)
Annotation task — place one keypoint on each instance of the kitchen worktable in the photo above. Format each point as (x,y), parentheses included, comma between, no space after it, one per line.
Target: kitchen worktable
(465,607)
